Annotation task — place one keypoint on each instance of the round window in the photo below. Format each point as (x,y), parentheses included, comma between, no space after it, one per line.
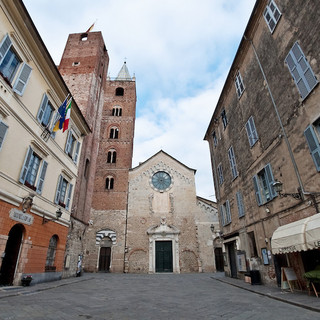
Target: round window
(161,180)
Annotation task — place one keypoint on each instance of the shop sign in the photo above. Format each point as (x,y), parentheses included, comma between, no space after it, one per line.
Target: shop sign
(20,216)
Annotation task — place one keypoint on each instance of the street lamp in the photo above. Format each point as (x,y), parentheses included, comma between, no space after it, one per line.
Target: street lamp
(277,185)
(58,215)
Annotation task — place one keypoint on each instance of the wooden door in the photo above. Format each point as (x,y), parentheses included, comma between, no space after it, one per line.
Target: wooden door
(104,260)
(164,256)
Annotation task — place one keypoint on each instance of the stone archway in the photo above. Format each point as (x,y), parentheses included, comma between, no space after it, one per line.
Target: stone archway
(105,239)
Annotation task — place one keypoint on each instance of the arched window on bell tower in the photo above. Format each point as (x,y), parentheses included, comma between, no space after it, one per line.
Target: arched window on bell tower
(112,156)
(114,133)
(117,111)
(119,91)
(109,183)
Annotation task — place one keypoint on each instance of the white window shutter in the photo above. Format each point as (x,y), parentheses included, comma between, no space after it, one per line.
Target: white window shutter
(42,108)
(3,132)
(4,47)
(25,166)
(314,145)
(42,176)
(22,79)
(69,196)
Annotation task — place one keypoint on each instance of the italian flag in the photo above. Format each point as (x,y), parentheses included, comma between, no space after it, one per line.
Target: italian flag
(68,112)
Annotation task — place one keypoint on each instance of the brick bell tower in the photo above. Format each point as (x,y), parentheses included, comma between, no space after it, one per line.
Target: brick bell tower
(106,236)
(84,67)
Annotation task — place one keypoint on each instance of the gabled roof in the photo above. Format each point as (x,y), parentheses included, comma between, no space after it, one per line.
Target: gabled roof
(124,73)
(168,155)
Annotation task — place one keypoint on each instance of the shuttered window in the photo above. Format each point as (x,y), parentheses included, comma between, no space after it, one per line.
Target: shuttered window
(313,143)
(225,213)
(220,173)
(240,204)
(232,161)
(63,192)
(33,171)
(72,148)
(272,15)
(45,112)
(3,132)
(251,131)
(263,185)
(301,71)
(10,63)
(239,84)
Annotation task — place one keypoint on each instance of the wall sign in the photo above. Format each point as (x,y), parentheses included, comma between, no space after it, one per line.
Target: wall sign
(20,216)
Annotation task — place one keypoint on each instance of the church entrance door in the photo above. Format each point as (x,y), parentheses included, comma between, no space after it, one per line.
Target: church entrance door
(11,254)
(164,256)
(104,260)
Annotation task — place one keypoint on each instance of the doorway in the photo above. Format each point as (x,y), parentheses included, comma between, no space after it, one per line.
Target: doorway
(219,259)
(232,259)
(104,259)
(164,256)
(11,254)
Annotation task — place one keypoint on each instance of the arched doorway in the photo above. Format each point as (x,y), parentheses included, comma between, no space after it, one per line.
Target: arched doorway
(11,255)
(219,259)
(105,254)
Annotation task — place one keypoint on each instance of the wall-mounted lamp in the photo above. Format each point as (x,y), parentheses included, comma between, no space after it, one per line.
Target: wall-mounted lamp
(212,227)
(277,185)
(58,215)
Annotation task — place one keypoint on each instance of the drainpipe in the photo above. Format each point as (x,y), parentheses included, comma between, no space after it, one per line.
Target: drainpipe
(295,167)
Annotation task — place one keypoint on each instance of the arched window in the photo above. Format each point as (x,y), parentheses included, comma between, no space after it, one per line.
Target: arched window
(114,133)
(112,156)
(109,183)
(119,91)
(86,169)
(51,254)
(117,111)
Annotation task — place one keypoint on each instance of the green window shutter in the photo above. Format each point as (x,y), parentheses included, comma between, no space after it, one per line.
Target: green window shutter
(3,132)
(257,190)
(314,145)
(69,196)
(42,108)
(25,166)
(42,176)
(4,47)
(22,79)
(58,191)
(270,181)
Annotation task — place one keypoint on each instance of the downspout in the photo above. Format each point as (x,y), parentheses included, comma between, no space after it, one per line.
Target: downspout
(295,167)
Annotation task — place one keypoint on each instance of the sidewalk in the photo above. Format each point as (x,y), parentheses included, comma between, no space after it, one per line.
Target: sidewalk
(297,298)
(10,291)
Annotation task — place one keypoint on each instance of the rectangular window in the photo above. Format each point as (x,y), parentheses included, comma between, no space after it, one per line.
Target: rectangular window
(263,185)
(301,71)
(272,15)
(72,147)
(240,204)
(233,164)
(3,132)
(312,134)
(10,63)
(239,84)
(220,173)
(225,213)
(45,112)
(63,192)
(224,118)
(215,140)
(33,171)
(251,131)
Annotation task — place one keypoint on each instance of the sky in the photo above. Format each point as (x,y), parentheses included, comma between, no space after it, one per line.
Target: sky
(180,52)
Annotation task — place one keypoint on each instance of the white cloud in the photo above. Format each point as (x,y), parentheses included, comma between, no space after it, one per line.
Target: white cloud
(180,51)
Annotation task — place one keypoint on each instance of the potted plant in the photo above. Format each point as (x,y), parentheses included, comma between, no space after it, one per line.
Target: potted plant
(26,280)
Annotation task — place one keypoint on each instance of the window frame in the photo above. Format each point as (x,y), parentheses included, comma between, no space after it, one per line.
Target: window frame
(240,204)
(225,213)
(3,132)
(114,133)
(272,14)
(67,193)
(112,156)
(109,183)
(72,147)
(224,118)
(220,173)
(116,111)
(44,106)
(215,138)
(301,71)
